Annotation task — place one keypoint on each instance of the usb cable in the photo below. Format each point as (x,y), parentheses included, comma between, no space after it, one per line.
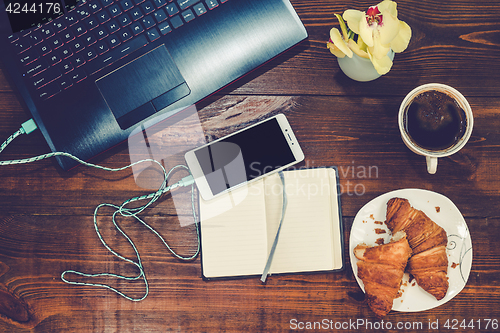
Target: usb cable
(27,127)
(30,126)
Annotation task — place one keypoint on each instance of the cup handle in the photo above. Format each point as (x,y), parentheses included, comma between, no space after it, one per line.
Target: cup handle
(432,163)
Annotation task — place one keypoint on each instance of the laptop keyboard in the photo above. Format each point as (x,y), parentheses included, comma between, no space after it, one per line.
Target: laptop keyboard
(95,34)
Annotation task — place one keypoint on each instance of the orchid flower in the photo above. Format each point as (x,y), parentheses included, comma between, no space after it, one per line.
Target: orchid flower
(378,31)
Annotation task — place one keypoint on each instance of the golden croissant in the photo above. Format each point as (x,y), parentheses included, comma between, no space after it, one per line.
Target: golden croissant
(429,262)
(381,268)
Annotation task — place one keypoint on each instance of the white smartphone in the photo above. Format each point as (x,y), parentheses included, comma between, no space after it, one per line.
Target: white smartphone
(244,156)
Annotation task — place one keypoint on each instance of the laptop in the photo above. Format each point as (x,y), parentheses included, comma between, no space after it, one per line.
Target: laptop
(93,74)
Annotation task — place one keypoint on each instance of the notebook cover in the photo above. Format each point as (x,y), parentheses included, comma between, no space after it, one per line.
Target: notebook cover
(342,243)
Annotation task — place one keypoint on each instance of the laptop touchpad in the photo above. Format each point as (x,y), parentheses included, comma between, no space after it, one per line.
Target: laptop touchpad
(129,90)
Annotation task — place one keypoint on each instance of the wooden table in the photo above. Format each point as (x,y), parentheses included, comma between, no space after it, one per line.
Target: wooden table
(46,218)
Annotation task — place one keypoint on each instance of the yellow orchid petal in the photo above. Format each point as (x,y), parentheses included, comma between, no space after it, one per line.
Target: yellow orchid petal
(366,32)
(378,50)
(389,28)
(400,43)
(382,65)
(358,48)
(388,6)
(362,45)
(354,18)
(339,42)
(335,50)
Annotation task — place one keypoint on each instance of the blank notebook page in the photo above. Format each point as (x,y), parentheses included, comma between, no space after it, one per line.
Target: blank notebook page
(234,235)
(306,238)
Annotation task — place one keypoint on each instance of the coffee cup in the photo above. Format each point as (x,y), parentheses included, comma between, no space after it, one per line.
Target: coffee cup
(435,120)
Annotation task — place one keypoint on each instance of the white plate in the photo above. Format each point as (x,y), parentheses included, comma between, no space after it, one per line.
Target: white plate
(441,210)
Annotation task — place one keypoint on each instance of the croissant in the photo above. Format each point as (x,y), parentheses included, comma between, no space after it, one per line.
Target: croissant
(381,268)
(429,263)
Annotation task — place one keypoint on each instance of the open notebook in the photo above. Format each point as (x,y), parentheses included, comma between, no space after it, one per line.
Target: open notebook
(238,228)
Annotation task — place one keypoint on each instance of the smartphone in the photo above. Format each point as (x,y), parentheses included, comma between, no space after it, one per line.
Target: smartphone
(244,156)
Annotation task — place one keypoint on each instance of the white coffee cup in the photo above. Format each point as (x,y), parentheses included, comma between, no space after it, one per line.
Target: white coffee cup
(432,155)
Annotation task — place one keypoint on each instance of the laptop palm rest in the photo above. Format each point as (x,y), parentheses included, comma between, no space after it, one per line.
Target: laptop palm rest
(142,87)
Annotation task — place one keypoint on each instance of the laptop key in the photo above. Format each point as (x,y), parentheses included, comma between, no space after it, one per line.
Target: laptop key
(136,14)
(183,4)
(106,3)
(147,7)
(95,6)
(124,20)
(44,48)
(79,29)
(102,47)
(199,9)
(125,34)
(48,76)
(66,52)
(78,45)
(101,33)
(22,44)
(160,15)
(68,36)
(47,31)
(36,67)
(28,56)
(153,34)
(82,12)
(188,15)
(113,41)
(55,42)
(54,58)
(176,21)
(137,28)
(79,61)
(77,75)
(65,82)
(165,28)
(12,38)
(211,4)
(126,4)
(103,17)
(90,54)
(36,37)
(70,18)
(112,26)
(49,90)
(89,39)
(92,23)
(66,66)
(172,9)
(148,22)
(160,3)
(59,25)
(115,54)
(115,10)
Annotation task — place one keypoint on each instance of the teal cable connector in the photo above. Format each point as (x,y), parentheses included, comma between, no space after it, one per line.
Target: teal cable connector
(28,126)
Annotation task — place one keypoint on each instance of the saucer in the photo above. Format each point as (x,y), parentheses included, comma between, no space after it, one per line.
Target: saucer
(369,227)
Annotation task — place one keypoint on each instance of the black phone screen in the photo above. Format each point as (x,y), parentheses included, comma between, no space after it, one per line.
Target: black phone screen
(244,156)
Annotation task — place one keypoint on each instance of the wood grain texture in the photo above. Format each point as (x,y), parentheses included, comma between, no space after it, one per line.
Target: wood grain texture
(46,215)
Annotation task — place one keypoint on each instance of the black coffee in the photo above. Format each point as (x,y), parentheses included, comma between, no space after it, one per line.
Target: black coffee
(435,121)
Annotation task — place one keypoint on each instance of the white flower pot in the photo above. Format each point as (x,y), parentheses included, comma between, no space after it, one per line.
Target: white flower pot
(360,69)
